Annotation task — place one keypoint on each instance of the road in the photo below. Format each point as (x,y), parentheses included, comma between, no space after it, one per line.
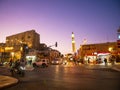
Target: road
(63,77)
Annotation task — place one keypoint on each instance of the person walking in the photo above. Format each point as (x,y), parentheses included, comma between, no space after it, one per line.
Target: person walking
(22,62)
(11,62)
(30,61)
(105,60)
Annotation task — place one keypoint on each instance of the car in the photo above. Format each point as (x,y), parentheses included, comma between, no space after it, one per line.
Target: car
(41,63)
(65,62)
(56,61)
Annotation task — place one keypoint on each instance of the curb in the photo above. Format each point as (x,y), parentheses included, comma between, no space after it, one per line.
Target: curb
(114,68)
(6,81)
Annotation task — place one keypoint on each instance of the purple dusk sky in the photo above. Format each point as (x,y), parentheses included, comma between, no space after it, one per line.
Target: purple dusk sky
(55,20)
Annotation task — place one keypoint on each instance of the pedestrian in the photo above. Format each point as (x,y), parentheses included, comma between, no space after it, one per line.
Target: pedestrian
(22,62)
(105,60)
(11,62)
(112,59)
(88,60)
(30,61)
(17,64)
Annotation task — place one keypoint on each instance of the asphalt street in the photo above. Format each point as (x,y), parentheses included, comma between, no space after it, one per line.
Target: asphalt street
(62,77)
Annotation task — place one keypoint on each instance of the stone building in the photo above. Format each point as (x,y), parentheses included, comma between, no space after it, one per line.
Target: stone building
(15,45)
(31,38)
(23,45)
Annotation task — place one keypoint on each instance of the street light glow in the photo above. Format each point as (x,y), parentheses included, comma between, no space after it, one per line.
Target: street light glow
(110,49)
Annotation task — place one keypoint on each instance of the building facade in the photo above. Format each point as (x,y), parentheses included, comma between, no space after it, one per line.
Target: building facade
(93,52)
(31,38)
(25,45)
(17,45)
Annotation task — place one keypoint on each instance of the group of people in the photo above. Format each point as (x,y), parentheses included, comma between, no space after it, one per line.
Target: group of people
(17,67)
(17,63)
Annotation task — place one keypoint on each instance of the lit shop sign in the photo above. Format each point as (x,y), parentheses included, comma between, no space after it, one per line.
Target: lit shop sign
(95,53)
(103,54)
(8,48)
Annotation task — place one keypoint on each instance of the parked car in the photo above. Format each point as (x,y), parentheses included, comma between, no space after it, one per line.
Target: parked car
(41,63)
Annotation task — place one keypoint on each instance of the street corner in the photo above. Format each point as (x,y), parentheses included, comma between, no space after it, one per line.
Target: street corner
(6,81)
(117,68)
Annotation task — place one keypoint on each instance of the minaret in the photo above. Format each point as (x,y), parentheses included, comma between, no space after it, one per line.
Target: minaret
(73,43)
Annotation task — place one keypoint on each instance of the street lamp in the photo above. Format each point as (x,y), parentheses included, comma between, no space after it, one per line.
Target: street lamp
(110,49)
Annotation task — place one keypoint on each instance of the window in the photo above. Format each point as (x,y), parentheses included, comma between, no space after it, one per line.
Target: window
(29,37)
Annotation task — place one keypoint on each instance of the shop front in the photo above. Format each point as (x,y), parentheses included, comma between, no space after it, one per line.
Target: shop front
(90,59)
(102,56)
(97,58)
(31,59)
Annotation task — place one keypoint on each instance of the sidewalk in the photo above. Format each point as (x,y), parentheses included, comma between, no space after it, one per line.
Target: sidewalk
(6,81)
(116,67)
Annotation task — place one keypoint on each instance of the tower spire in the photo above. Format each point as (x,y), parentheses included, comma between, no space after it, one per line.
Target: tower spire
(73,43)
